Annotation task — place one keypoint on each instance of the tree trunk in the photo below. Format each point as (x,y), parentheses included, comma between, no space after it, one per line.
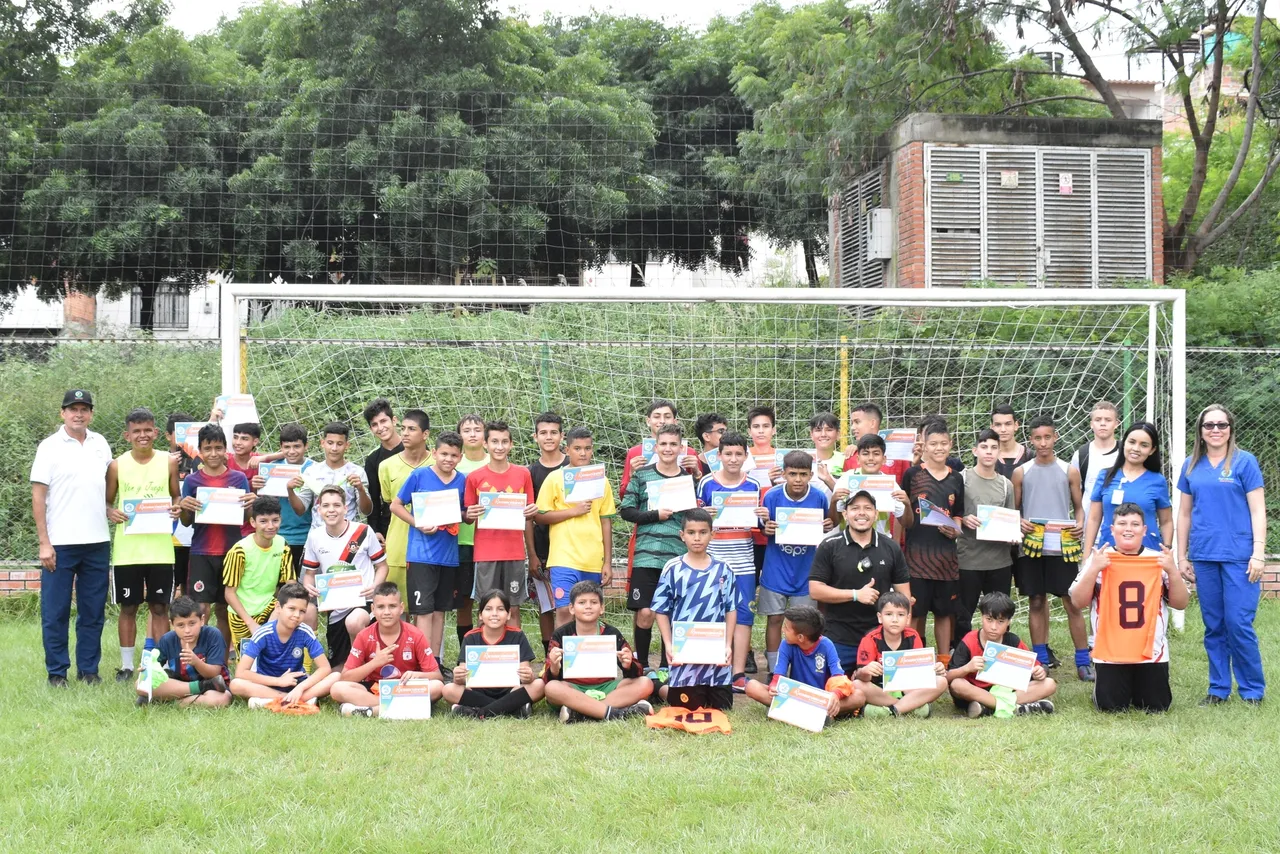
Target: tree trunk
(811,261)
(147,306)
(639,260)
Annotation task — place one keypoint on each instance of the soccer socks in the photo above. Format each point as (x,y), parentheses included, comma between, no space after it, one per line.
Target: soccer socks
(1082,658)
(511,703)
(772,658)
(194,687)
(1042,653)
(148,644)
(644,639)
(126,657)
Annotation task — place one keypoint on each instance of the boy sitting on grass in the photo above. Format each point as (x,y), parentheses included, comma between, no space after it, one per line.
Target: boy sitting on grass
(968,691)
(697,588)
(806,656)
(270,664)
(594,698)
(388,649)
(894,614)
(194,659)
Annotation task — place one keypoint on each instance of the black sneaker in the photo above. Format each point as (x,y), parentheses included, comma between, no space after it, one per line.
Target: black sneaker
(526,711)
(89,678)
(57,681)
(124,674)
(1042,707)
(1212,700)
(1053,664)
(569,716)
(467,711)
(751,667)
(1252,701)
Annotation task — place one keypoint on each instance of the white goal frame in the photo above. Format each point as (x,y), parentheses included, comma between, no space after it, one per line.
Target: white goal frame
(232,319)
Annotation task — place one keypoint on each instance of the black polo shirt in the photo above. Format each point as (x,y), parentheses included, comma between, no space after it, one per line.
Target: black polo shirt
(842,563)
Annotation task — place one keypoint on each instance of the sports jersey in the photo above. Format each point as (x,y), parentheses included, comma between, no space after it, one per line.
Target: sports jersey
(321,475)
(656,541)
(602,628)
(392,474)
(294,527)
(636,451)
(412,654)
(812,666)
(256,572)
(971,646)
(209,648)
(1221,527)
(929,553)
(440,548)
(491,544)
(575,543)
(274,656)
(835,465)
(538,473)
(213,539)
(356,544)
(734,546)
(1150,491)
(1129,612)
(786,567)
(843,563)
(135,481)
(873,646)
(467,530)
(1046,493)
(685,594)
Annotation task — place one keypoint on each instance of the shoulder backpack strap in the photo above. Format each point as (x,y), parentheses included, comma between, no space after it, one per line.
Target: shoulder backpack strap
(1084,463)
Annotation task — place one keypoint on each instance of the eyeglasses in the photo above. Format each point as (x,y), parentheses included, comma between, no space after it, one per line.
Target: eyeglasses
(1216,425)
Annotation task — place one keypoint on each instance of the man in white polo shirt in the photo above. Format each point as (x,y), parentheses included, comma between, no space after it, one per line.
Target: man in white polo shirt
(69,502)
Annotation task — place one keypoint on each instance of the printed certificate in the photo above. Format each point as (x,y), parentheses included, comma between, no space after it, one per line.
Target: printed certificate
(583,484)
(799,704)
(503,511)
(219,506)
(340,590)
(931,514)
(999,524)
(899,444)
(440,508)
(713,460)
(758,467)
(590,657)
(735,509)
(493,666)
(909,669)
(649,449)
(236,409)
(186,435)
(881,487)
(698,643)
(278,476)
(404,699)
(799,526)
(672,493)
(147,516)
(1007,666)
(1053,529)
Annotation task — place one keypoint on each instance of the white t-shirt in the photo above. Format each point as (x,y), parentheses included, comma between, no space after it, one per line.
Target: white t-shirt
(320,475)
(357,545)
(1098,463)
(76,474)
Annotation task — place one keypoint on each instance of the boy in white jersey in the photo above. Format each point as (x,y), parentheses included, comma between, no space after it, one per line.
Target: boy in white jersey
(140,559)
(337,470)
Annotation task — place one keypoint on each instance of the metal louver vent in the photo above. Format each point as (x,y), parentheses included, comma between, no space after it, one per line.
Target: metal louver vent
(1124,216)
(953,216)
(1067,190)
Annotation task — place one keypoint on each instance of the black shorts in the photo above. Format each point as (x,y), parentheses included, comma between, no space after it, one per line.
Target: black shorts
(430,588)
(641,587)
(339,642)
(131,578)
(204,579)
(1049,575)
(934,597)
(975,582)
(1119,687)
(701,697)
(295,555)
(464,580)
(181,559)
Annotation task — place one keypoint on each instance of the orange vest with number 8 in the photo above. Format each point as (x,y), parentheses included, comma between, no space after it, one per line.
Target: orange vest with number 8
(1128,608)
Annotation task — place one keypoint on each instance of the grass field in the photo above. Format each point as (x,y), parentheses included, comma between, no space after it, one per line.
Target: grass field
(84,770)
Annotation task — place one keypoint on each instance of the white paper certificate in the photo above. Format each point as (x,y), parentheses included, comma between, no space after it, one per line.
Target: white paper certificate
(758,467)
(278,476)
(503,511)
(799,526)
(899,444)
(340,590)
(881,487)
(219,506)
(236,409)
(735,509)
(404,699)
(147,516)
(583,484)
(439,508)
(909,669)
(590,657)
(1007,666)
(800,705)
(698,643)
(672,493)
(493,666)
(999,524)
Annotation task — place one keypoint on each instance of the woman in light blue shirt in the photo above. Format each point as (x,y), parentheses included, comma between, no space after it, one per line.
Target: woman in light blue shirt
(1222,530)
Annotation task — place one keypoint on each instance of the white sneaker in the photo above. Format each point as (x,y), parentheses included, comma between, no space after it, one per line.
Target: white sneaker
(258,702)
(1178,619)
(352,710)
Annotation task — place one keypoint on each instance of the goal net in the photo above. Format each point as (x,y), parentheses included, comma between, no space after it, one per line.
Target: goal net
(313,354)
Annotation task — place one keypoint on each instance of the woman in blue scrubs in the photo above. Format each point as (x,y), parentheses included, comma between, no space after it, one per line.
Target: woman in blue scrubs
(1135,477)
(1222,531)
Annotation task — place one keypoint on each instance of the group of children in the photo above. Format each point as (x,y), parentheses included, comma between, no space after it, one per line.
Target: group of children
(258,580)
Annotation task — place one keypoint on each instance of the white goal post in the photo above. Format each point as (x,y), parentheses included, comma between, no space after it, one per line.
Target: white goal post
(1165,339)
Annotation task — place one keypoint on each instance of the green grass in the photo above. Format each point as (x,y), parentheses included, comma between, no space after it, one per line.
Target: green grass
(84,770)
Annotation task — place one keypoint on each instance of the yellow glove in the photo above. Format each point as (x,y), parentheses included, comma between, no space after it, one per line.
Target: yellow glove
(1033,542)
(1071,549)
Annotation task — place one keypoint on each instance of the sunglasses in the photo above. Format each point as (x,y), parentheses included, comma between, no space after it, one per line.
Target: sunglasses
(1216,425)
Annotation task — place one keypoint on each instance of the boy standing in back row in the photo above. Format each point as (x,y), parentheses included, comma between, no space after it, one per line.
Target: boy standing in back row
(548,432)
(382,424)
(335,469)
(474,456)
(393,471)
(985,566)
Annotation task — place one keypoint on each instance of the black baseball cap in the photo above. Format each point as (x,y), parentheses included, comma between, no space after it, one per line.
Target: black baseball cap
(861,493)
(77,395)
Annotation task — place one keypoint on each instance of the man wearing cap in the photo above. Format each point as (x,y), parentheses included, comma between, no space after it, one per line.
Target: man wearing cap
(69,502)
(850,570)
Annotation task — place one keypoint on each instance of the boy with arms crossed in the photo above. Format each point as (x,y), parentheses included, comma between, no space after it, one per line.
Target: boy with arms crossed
(474,455)
(254,568)
(594,699)
(985,566)
(194,659)
(393,471)
(893,610)
(389,648)
(971,693)
(140,559)
(931,549)
(270,665)
(548,432)
(383,426)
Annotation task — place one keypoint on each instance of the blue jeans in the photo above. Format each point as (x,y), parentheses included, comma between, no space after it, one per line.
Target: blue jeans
(84,567)
(1228,604)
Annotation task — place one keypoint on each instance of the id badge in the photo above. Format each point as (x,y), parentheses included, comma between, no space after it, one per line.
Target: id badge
(1117,497)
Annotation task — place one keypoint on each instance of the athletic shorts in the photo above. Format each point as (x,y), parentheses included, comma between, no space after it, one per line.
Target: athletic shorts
(430,588)
(641,587)
(746,584)
(604,687)
(339,638)
(701,697)
(771,603)
(204,579)
(562,580)
(1049,575)
(240,630)
(934,597)
(181,559)
(540,590)
(1119,687)
(974,583)
(131,578)
(465,580)
(510,576)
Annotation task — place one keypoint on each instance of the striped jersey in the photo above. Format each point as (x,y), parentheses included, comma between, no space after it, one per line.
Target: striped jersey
(734,546)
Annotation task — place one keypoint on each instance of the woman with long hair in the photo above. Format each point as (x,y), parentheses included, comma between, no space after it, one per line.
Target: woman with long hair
(1222,531)
(1134,478)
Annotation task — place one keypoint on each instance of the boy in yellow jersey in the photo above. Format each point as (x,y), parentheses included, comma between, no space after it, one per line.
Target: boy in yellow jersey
(141,560)
(415,431)
(254,568)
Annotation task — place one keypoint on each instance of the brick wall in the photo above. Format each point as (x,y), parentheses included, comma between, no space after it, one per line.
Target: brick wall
(19,581)
(910,176)
(1157,216)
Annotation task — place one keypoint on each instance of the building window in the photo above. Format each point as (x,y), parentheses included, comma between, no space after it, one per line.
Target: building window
(168,310)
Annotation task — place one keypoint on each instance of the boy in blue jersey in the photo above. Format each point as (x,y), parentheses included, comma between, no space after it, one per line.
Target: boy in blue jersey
(432,553)
(270,664)
(194,659)
(696,587)
(734,546)
(784,580)
(806,656)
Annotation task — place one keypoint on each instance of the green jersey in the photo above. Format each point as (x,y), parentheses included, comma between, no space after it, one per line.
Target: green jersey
(256,572)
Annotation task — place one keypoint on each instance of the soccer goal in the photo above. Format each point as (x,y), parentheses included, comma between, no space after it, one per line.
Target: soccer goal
(316,353)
